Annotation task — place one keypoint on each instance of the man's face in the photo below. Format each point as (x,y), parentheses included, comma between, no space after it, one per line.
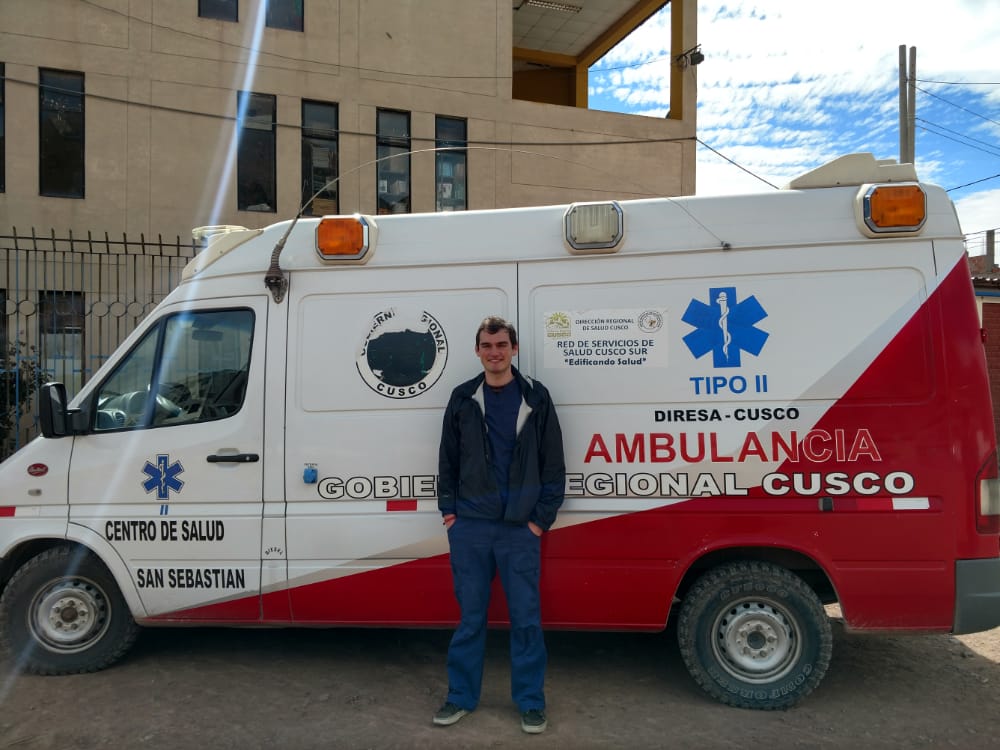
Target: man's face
(495,351)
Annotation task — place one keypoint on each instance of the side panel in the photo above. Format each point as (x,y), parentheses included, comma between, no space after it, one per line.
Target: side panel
(373,356)
(797,398)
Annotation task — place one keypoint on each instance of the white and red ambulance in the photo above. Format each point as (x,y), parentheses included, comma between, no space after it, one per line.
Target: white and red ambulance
(769,403)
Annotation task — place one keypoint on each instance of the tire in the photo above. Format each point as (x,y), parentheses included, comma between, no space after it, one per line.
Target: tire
(62,613)
(754,635)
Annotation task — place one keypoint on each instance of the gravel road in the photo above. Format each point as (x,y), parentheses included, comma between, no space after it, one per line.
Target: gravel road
(292,689)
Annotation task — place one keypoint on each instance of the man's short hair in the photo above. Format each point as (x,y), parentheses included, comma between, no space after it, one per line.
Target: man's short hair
(495,324)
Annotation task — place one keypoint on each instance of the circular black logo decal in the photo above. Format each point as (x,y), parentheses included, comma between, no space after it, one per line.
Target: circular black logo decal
(404,353)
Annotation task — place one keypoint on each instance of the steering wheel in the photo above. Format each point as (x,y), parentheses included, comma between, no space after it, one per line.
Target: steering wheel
(134,406)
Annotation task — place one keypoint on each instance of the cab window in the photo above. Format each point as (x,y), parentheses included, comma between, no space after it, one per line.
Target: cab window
(191,367)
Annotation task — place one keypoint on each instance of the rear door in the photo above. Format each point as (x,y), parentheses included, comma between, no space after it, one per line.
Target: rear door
(374,354)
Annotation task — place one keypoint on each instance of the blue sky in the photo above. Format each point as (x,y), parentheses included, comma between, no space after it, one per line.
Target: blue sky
(787,85)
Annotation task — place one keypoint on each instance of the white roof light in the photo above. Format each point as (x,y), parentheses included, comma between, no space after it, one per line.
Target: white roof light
(594,227)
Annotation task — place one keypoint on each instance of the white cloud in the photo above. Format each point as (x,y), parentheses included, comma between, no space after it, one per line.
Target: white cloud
(979,211)
(788,85)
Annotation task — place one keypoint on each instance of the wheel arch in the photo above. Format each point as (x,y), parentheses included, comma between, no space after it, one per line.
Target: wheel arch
(86,541)
(23,551)
(799,563)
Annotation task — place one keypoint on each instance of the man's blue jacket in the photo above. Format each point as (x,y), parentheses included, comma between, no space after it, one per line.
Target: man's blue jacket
(466,484)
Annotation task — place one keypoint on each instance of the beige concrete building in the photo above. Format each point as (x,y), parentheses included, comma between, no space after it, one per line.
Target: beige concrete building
(154,116)
(126,121)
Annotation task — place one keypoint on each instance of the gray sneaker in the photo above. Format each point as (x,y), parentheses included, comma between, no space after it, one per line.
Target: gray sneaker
(449,714)
(533,721)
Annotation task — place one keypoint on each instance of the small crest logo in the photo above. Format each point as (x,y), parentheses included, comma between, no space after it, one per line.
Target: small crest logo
(650,321)
(404,354)
(557,326)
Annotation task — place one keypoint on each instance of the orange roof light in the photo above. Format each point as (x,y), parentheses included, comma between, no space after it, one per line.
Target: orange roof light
(894,209)
(342,238)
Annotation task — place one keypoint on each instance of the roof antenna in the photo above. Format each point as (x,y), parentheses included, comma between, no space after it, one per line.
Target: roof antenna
(274,279)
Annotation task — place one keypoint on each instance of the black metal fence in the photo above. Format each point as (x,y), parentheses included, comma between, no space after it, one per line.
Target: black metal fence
(68,302)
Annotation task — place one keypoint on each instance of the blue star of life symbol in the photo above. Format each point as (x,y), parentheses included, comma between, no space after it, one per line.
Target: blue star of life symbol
(162,476)
(725,327)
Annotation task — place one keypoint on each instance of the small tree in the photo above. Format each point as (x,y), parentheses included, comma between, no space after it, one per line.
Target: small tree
(20,378)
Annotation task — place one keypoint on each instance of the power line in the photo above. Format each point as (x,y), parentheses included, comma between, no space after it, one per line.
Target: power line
(955,132)
(740,166)
(321,131)
(257,50)
(975,182)
(631,65)
(260,51)
(956,140)
(958,106)
(981,232)
(958,83)
(963,143)
(471,143)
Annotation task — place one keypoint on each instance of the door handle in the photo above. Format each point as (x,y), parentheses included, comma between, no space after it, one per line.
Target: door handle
(233,458)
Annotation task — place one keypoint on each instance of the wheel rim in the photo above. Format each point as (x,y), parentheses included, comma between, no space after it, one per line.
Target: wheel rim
(755,640)
(69,615)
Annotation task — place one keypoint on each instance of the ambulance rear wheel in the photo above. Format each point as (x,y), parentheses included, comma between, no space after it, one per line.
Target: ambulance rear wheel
(62,613)
(754,635)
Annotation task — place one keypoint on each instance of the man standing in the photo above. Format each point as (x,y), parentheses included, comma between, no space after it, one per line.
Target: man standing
(501,481)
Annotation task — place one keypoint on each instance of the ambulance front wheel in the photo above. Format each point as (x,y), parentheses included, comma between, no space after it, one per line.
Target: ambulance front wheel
(62,613)
(754,635)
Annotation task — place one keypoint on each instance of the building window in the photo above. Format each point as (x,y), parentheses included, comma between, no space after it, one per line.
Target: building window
(60,319)
(223,10)
(449,170)
(393,166)
(284,14)
(3,142)
(256,187)
(319,158)
(60,134)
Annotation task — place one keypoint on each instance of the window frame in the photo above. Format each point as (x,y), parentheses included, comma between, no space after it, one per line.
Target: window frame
(245,141)
(296,13)
(227,10)
(451,168)
(309,137)
(385,144)
(44,144)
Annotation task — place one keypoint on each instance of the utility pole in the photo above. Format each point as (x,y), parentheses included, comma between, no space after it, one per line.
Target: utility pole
(907,106)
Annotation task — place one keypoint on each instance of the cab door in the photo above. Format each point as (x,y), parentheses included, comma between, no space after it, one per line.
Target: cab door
(170,473)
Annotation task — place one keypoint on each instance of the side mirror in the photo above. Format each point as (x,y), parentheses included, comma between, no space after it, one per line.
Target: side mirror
(52,410)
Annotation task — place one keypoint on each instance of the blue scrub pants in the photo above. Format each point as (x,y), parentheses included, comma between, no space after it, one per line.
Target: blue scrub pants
(479,550)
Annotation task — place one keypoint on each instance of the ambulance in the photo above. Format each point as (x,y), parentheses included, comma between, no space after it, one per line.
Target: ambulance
(770,404)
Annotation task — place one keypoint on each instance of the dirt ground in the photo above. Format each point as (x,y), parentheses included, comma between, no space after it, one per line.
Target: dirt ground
(207,688)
